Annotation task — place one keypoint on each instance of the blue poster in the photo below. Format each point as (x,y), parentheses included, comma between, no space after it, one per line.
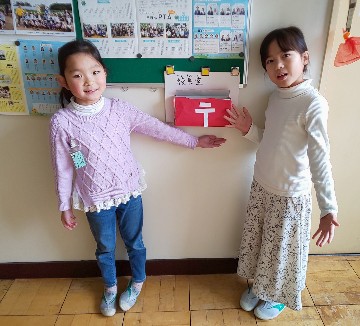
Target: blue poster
(39,65)
(220,28)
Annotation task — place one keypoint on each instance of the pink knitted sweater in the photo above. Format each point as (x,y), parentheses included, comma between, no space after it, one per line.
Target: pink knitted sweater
(111,174)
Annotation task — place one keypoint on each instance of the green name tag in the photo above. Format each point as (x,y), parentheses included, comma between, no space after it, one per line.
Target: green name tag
(78,159)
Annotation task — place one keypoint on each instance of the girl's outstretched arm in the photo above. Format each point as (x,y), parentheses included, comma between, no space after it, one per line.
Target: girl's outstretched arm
(326,230)
(68,219)
(239,119)
(210,141)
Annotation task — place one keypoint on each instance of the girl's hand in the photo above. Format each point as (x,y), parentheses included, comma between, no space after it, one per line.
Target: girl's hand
(326,229)
(210,141)
(68,219)
(239,119)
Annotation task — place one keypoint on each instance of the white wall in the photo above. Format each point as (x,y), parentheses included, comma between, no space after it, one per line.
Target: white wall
(195,201)
(340,85)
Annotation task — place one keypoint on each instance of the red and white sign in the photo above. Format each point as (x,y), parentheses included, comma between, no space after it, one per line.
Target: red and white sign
(201,112)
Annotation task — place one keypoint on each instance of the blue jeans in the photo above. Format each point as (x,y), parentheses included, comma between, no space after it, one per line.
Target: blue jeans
(103,224)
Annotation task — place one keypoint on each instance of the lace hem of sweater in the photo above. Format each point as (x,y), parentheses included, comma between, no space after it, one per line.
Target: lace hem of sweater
(113,202)
(107,204)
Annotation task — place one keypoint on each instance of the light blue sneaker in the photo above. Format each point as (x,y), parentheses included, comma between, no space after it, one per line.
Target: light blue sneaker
(268,310)
(248,300)
(108,304)
(128,297)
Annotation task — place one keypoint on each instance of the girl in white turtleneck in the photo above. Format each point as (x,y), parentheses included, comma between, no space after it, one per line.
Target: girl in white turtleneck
(293,153)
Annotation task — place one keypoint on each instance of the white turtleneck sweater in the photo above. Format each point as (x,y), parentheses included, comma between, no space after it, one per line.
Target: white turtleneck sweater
(294,146)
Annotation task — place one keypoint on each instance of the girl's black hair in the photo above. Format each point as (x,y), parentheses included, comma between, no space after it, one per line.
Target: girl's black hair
(289,39)
(68,49)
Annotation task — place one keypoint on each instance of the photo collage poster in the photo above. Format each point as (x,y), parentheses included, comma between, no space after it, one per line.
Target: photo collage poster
(37,17)
(167,29)
(138,28)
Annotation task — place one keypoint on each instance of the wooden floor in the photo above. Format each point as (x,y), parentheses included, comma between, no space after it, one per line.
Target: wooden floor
(332,297)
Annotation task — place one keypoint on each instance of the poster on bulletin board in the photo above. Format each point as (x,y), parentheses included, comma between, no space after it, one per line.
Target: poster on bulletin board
(12,97)
(40,68)
(138,39)
(34,17)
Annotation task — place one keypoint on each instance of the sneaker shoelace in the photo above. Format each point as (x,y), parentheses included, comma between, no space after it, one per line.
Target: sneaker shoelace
(109,297)
(274,305)
(132,292)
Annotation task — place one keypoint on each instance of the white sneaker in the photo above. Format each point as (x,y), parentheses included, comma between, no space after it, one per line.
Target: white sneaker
(108,304)
(128,297)
(248,300)
(268,310)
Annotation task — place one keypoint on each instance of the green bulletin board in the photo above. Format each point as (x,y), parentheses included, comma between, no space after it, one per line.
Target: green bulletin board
(150,70)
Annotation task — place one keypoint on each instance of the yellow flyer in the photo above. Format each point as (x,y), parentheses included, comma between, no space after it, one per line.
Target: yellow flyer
(12,97)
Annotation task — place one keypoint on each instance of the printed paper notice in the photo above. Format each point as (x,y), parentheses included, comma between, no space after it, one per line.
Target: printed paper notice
(220,28)
(39,69)
(138,28)
(12,100)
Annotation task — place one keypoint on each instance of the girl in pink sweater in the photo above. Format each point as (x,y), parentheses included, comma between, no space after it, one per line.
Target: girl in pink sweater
(95,169)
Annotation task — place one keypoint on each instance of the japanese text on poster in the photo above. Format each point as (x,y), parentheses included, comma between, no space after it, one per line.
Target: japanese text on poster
(12,100)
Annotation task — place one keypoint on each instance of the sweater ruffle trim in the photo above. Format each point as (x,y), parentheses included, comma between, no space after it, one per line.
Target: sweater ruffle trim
(112,202)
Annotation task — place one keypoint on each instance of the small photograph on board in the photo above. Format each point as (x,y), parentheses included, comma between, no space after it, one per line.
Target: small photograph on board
(95,30)
(199,9)
(212,9)
(177,30)
(225,9)
(122,30)
(44,17)
(151,30)
(4,92)
(238,9)
(6,17)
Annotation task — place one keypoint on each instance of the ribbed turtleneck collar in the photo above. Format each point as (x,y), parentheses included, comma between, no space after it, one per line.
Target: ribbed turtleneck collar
(87,109)
(295,91)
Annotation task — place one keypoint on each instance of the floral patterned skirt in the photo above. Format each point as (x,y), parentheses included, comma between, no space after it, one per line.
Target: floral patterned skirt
(275,245)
